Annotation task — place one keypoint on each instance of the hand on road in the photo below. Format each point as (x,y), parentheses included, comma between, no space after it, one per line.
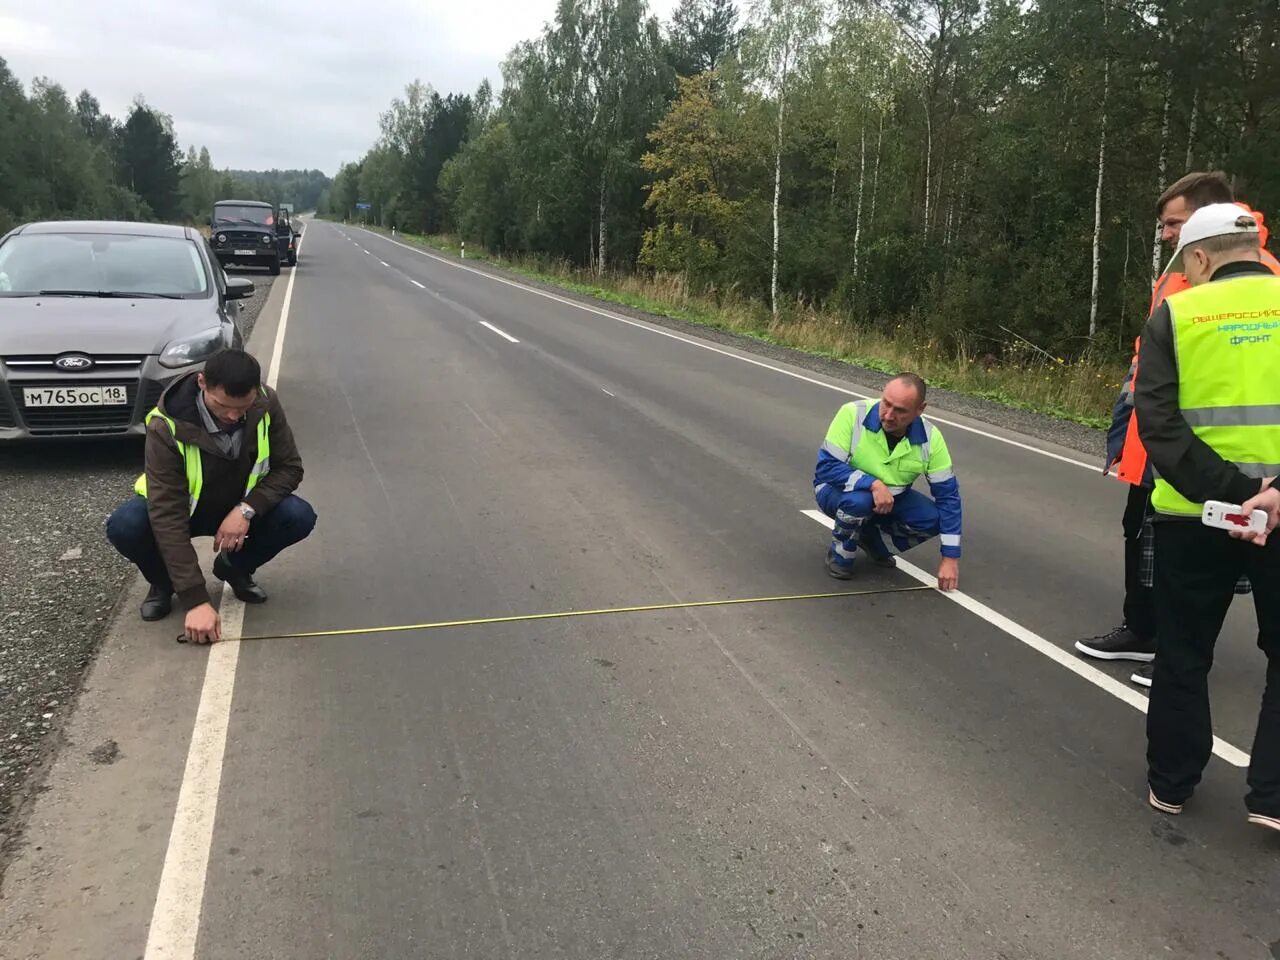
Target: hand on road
(203,624)
(883,498)
(1268,500)
(231,534)
(948,573)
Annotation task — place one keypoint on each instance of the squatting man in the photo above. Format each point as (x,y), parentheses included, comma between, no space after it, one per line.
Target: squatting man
(872,455)
(221,462)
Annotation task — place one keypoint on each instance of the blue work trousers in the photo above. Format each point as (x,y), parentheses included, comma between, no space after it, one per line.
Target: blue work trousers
(913,520)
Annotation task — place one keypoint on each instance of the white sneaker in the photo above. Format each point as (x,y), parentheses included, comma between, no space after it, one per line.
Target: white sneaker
(1261,820)
(1158,804)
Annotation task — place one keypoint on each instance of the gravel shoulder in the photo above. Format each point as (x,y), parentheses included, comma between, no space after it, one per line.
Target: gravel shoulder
(59,581)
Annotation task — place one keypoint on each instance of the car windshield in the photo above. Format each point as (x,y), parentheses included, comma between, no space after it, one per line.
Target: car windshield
(225,213)
(101,265)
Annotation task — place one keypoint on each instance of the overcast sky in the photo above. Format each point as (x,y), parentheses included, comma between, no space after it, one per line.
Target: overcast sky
(267,84)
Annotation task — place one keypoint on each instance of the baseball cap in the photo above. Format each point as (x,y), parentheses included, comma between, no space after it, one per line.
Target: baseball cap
(1215,220)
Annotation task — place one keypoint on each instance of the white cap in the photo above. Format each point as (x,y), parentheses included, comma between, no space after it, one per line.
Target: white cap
(1215,220)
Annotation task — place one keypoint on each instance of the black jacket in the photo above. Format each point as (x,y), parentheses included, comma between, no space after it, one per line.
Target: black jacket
(1188,463)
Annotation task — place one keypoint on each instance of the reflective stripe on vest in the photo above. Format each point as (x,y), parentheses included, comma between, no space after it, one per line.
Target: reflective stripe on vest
(190,454)
(1228,387)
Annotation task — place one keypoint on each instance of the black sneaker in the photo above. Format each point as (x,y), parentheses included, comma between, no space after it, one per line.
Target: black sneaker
(1120,644)
(1142,676)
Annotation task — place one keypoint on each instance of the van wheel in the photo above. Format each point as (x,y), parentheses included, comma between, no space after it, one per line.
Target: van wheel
(274,267)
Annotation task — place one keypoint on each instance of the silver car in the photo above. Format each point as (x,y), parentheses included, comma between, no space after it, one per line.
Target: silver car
(97,317)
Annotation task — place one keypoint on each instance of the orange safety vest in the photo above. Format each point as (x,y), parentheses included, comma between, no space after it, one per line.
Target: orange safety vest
(1133,455)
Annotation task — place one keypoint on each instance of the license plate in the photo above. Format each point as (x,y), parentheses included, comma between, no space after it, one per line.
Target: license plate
(245,253)
(115,396)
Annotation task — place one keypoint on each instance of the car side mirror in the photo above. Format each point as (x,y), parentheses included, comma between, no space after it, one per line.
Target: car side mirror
(239,288)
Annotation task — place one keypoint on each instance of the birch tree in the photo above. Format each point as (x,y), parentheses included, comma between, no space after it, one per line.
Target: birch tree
(1102,168)
(783,33)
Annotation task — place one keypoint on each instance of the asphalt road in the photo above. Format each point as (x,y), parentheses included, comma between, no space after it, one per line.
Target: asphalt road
(882,777)
(59,580)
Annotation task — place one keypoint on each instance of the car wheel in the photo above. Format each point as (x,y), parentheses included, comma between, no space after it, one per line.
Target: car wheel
(274,267)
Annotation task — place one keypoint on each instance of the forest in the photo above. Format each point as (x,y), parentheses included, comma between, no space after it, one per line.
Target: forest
(977,174)
(67,159)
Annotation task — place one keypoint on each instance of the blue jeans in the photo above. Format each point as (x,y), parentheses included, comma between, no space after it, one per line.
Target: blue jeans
(913,520)
(129,530)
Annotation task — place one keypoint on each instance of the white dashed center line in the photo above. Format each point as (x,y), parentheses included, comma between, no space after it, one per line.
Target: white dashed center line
(501,333)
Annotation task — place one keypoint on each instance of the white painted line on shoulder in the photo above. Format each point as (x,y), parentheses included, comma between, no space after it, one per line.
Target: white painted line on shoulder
(1231,754)
(175,918)
(501,333)
(736,356)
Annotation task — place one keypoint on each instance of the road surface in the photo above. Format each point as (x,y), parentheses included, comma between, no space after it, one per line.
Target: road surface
(891,776)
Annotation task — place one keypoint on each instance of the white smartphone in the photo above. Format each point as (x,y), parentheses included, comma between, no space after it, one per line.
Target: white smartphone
(1229,516)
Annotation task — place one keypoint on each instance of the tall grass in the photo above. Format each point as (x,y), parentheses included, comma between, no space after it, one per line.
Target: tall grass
(1081,391)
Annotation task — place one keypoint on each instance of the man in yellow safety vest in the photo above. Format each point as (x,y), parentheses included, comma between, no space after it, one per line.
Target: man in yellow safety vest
(1208,405)
(221,461)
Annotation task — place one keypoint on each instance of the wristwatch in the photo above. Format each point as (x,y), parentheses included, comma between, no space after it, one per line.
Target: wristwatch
(247,511)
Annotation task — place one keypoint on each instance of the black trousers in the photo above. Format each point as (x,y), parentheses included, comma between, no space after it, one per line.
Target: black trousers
(1196,569)
(1139,601)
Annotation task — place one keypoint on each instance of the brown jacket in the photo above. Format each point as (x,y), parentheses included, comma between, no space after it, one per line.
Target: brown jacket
(168,503)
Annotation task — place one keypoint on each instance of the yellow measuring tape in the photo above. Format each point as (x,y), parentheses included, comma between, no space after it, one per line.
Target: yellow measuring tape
(564,614)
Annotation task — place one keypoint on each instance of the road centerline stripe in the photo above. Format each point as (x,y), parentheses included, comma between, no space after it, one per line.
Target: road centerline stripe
(1225,751)
(501,333)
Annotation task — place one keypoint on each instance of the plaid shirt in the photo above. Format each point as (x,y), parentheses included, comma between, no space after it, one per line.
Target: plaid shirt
(1146,566)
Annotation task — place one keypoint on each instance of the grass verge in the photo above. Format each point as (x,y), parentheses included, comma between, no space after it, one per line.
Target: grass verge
(1082,392)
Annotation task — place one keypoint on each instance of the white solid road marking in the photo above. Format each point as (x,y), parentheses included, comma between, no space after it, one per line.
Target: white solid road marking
(728,353)
(420,286)
(610,394)
(384,263)
(501,333)
(175,919)
(1233,755)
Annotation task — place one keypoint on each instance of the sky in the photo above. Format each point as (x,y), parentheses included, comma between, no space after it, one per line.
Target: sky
(267,85)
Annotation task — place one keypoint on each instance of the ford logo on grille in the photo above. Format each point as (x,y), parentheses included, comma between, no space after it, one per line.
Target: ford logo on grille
(73,361)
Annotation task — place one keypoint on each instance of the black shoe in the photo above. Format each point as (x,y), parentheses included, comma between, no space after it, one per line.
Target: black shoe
(1142,676)
(839,568)
(873,547)
(242,584)
(1120,644)
(157,604)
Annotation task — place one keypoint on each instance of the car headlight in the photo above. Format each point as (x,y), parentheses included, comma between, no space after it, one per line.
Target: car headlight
(266,238)
(194,349)
(222,238)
